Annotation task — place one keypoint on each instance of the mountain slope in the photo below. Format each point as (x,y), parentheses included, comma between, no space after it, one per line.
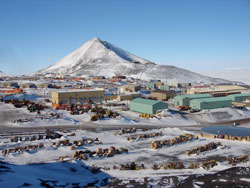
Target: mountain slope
(100,58)
(2,74)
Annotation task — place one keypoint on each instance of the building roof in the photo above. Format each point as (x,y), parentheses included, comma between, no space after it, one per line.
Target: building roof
(212,99)
(145,101)
(162,91)
(239,95)
(28,83)
(129,94)
(78,90)
(47,83)
(231,87)
(129,85)
(219,88)
(193,96)
(8,82)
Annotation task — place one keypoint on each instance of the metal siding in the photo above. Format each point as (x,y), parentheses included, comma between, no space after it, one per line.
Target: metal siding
(203,105)
(143,108)
(238,97)
(145,101)
(195,104)
(216,104)
(147,106)
(184,100)
(178,102)
(159,106)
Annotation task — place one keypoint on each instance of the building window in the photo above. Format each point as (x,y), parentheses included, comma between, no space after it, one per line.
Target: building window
(83,100)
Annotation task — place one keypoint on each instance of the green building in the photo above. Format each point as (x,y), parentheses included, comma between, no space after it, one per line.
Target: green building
(210,103)
(146,105)
(238,97)
(164,87)
(151,85)
(184,100)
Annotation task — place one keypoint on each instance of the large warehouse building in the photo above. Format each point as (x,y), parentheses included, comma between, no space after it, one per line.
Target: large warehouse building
(147,106)
(238,97)
(77,96)
(216,89)
(210,103)
(184,100)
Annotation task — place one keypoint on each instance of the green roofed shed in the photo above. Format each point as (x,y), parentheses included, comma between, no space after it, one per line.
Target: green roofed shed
(147,106)
(210,103)
(239,97)
(164,87)
(184,100)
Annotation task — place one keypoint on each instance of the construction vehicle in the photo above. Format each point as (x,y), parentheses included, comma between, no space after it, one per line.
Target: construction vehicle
(183,108)
(145,115)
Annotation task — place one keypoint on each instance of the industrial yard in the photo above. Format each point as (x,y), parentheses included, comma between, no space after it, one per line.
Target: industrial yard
(120,131)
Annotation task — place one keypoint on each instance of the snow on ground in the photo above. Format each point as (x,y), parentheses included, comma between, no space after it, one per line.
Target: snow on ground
(46,122)
(171,119)
(221,114)
(31,97)
(245,179)
(56,174)
(139,152)
(128,117)
(33,119)
(125,118)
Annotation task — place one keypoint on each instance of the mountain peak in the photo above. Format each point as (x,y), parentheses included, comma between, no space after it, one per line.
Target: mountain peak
(95,39)
(100,58)
(94,52)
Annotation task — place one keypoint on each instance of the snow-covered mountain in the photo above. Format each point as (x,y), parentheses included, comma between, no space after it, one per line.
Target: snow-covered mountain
(100,58)
(3,74)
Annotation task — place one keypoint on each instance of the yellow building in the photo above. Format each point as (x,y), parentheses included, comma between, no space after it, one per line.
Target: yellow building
(129,88)
(241,104)
(110,97)
(77,96)
(44,85)
(125,97)
(98,78)
(158,84)
(162,95)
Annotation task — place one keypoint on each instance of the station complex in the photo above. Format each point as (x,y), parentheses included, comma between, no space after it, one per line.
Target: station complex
(143,97)
(157,99)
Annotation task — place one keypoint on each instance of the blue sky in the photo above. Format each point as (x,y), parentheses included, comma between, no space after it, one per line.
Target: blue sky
(191,34)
